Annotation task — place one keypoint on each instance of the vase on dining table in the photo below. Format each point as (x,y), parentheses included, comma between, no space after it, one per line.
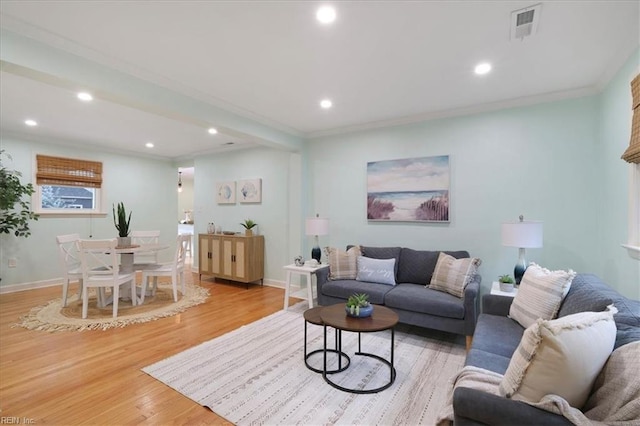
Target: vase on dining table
(124,241)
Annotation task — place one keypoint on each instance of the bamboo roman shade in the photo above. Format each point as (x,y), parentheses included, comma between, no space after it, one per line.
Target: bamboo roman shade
(68,172)
(632,154)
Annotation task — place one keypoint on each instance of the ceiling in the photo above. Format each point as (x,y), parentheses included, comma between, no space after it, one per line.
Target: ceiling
(381,63)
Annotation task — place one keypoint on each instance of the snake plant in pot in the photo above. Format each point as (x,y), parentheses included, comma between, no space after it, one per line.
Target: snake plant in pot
(122,223)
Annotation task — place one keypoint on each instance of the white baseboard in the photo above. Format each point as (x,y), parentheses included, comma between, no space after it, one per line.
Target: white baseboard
(12,288)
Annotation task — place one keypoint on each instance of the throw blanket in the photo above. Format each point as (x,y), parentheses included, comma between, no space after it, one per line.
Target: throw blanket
(615,399)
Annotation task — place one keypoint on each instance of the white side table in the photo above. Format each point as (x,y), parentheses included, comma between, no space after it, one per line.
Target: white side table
(306,271)
(495,289)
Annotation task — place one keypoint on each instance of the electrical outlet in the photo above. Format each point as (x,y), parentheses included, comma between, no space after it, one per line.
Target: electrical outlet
(13,262)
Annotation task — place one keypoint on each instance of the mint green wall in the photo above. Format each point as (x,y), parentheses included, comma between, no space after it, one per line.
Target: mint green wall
(615,130)
(540,161)
(147,188)
(277,215)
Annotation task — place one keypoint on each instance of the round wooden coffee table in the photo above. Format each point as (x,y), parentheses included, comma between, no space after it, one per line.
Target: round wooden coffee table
(382,319)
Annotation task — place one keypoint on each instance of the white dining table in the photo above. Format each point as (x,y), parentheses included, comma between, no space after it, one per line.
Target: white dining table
(127,266)
(126,254)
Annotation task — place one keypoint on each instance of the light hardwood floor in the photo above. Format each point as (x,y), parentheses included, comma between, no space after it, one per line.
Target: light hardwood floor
(94,377)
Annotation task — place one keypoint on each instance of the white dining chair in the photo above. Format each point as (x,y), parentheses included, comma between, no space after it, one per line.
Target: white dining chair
(188,245)
(70,262)
(142,238)
(174,269)
(100,269)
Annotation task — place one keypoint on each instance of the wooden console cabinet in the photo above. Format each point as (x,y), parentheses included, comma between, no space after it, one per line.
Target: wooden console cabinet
(231,257)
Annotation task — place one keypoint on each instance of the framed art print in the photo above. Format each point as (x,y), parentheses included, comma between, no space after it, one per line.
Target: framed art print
(226,192)
(250,190)
(409,190)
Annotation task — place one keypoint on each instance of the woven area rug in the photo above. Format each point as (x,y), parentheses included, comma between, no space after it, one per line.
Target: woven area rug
(256,375)
(53,317)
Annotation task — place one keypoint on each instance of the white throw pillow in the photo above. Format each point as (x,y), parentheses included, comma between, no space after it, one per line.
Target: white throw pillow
(561,357)
(540,294)
(452,275)
(342,264)
(376,270)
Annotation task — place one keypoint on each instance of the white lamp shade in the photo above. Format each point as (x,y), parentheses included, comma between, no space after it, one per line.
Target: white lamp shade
(317,226)
(522,234)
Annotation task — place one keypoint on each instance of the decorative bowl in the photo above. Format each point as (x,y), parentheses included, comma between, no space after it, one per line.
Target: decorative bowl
(365,311)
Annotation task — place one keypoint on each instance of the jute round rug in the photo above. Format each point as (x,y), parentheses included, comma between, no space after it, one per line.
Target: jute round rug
(53,317)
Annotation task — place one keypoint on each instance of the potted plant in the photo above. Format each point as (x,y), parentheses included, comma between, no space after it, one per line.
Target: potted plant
(358,305)
(122,223)
(506,283)
(15,213)
(248,225)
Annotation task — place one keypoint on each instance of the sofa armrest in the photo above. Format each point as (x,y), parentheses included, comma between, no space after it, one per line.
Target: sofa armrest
(471,293)
(496,305)
(473,405)
(322,276)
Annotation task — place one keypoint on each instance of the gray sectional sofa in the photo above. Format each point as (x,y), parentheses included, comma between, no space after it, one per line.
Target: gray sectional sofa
(497,336)
(409,298)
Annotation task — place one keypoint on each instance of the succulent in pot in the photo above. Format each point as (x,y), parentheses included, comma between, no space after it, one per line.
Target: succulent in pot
(248,225)
(358,305)
(506,283)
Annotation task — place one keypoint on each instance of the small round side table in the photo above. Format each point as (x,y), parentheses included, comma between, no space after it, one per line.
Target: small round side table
(312,316)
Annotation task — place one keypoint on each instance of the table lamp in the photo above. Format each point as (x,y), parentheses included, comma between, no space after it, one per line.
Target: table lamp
(316,226)
(522,235)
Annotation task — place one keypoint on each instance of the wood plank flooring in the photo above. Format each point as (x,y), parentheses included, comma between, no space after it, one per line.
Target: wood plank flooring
(94,377)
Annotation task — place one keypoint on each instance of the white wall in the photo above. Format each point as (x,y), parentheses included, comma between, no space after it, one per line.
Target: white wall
(540,161)
(615,131)
(147,188)
(278,213)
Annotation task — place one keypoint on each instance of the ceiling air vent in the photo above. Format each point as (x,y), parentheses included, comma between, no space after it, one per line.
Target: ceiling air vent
(524,22)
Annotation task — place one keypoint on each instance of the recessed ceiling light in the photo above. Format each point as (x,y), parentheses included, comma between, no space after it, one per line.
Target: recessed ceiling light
(31,122)
(149,145)
(326,14)
(84,96)
(326,103)
(212,131)
(482,68)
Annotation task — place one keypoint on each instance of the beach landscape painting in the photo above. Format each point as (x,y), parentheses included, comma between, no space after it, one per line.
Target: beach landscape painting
(409,190)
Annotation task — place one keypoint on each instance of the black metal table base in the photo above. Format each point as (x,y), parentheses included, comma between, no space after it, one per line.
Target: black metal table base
(392,370)
(338,344)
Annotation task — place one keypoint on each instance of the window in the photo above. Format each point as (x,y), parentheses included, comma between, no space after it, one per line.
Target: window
(633,240)
(68,186)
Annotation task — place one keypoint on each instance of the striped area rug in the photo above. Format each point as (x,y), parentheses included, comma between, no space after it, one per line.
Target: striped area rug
(256,375)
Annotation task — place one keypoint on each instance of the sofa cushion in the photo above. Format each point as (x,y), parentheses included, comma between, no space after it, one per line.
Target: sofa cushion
(452,275)
(487,360)
(376,270)
(561,357)
(384,253)
(496,334)
(587,293)
(417,298)
(342,264)
(627,325)
(540,294)
(344,288)
(417,266)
